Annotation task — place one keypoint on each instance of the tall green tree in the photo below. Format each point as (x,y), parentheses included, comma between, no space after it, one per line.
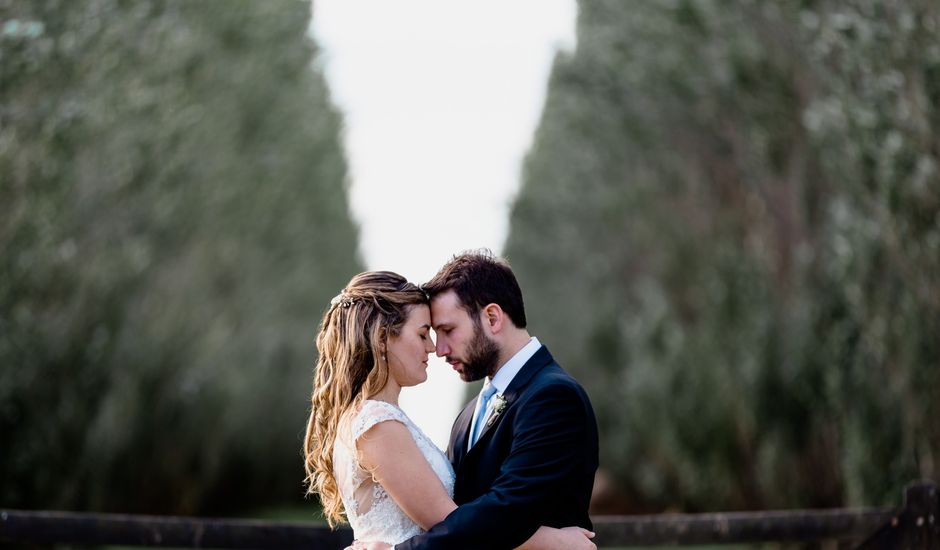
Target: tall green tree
(729,228)
(173,219)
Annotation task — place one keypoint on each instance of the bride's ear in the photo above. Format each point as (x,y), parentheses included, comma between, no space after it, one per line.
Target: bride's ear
(382,351)
(383,340)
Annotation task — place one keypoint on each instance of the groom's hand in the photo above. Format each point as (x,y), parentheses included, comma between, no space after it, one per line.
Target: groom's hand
(365,545)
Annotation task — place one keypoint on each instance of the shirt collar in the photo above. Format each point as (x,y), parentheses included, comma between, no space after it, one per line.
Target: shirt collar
(508,371)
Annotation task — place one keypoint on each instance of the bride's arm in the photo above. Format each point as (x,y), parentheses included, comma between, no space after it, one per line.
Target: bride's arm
(390,453)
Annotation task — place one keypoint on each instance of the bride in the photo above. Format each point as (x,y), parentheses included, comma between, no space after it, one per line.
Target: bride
(363,456)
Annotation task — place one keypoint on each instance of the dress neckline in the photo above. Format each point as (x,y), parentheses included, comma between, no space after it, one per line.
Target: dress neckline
(364,401)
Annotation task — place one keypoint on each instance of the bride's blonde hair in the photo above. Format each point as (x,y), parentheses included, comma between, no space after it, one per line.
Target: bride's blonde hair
(372,307)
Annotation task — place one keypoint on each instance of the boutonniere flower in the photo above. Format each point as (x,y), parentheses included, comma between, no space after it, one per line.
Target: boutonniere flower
(499,405)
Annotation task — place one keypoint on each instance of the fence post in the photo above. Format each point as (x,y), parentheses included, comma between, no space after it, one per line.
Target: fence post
(915,527)
(921,499)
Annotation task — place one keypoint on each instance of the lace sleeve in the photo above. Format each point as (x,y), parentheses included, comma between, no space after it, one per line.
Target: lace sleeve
(374,412)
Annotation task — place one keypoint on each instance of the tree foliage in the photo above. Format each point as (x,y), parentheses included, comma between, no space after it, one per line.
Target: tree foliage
(173,219)
(729,228)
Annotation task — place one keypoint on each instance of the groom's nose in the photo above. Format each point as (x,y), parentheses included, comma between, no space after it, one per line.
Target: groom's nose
(441,348)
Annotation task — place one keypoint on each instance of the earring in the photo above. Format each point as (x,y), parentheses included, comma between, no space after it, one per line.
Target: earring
(383,358)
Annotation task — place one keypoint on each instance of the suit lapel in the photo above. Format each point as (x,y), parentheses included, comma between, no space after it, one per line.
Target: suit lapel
(461,431)
(535,363)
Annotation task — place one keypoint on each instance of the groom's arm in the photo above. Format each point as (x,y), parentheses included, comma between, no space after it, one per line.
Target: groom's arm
(550,438)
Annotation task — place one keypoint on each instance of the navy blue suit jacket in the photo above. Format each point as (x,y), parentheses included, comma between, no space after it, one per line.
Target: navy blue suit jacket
(532,465)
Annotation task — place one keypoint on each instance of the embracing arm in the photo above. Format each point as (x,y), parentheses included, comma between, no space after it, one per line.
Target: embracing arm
(547,450)
(388,450)
(390,453)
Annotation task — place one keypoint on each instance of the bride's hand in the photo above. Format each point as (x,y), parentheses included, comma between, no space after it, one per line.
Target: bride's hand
(578,538)
(365,545)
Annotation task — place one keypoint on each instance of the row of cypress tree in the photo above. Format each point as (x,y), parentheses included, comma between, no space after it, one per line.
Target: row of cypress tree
(729,228)
(173,219)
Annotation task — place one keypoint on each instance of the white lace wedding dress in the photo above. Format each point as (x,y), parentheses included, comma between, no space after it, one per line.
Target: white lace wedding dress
(373,515)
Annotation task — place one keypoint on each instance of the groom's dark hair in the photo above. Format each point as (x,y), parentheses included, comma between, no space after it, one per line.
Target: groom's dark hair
(479,278)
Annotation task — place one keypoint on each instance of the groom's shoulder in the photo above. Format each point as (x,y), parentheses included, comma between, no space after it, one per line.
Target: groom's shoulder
(553,373)
(553,388)
(555,379)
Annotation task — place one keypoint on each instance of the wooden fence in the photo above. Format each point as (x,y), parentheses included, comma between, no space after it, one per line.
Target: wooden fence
(915,525)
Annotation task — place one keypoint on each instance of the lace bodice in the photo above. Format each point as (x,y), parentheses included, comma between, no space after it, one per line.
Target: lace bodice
(373,515)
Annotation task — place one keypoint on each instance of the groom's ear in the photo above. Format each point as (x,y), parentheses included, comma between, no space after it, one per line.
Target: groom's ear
(493,317)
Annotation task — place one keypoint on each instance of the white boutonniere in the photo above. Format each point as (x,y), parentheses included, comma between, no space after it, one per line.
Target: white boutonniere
(499,405)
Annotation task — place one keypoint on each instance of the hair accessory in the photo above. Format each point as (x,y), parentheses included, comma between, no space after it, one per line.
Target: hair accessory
(342,300)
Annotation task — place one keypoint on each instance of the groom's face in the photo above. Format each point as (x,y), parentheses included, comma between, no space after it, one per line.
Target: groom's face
(461,339)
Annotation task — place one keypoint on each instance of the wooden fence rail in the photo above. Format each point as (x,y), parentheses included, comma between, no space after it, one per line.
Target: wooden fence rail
(915,525)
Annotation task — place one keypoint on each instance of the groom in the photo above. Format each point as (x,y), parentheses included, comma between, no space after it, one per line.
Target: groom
(525,451)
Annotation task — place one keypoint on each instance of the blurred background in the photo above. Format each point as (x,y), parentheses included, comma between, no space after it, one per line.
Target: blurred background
(726,224)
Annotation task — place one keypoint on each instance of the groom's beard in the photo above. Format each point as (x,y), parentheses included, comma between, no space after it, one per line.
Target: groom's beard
(482,357)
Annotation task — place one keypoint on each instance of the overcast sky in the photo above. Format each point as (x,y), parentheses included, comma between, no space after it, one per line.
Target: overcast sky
(440,101)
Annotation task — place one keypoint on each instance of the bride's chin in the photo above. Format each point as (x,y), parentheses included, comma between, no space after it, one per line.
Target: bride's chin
(416,382)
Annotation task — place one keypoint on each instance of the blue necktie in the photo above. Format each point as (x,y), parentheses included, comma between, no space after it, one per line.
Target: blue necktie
(480,414)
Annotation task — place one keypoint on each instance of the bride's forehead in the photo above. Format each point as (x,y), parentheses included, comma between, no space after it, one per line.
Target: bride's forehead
(419,315)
